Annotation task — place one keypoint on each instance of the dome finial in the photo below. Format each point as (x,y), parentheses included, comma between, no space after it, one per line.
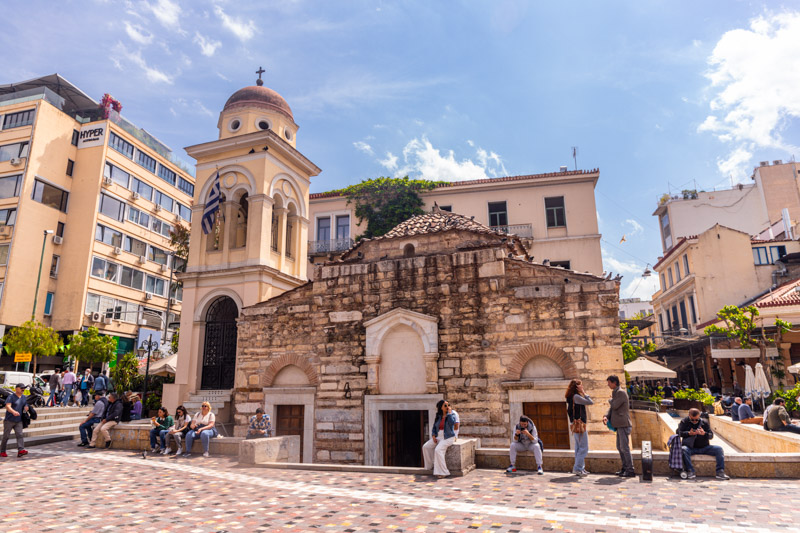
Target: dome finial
(259,81)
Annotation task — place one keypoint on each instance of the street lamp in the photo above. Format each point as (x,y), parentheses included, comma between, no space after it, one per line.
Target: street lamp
(39,279)
(147,347)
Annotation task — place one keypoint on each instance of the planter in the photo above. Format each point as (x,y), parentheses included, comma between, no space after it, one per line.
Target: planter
(683,404)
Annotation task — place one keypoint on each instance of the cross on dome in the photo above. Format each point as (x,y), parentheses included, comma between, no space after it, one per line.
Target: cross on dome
(259,81)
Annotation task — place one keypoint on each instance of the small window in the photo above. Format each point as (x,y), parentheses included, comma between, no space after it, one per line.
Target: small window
(111,207)
(777,252)
(146,161)
(448,208)
(104,269)
(555,212)
(661,323)
(144,190)
(48,304)
(161,227)
(75,136)
(663,283)
(60,229)
(4,254)
(263,124)
(117,175)
(686,265)
(324,229)
(677,272)
(562,264)
(120,145)
(54,266)
(139,217)
(108,236)
(408,250)
(186,186)
(9,186)
(16,120)
(8,217)
(70,167)
(13,151)
(498,214)
(622,314)
(760,255)
(51,196)
(135,246)
(167,175)
(342,227)
(234,125)
(130,277)
(184,212)
(287,133)
(163,200)
(157,255)
(155,285)
(669,276)
(691,309)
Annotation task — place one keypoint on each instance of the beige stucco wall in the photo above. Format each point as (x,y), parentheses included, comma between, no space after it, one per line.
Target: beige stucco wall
(780,189)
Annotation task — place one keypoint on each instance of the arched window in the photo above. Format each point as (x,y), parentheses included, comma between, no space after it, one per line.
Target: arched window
(241,222)
(408,250)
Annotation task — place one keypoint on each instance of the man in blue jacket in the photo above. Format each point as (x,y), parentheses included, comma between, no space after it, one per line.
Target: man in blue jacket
(16,404)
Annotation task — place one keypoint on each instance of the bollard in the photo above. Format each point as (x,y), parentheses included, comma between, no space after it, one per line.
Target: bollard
(647,461)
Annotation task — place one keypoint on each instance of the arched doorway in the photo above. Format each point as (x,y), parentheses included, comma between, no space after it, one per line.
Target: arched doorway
(219,349)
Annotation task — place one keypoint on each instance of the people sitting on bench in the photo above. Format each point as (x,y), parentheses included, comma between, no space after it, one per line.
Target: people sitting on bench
(695,436)
(778,418)
(746,415)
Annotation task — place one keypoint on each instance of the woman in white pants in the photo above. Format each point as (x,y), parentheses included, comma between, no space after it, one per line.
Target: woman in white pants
(442,437)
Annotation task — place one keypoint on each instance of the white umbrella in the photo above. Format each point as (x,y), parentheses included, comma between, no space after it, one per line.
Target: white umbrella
(762,387)
(645,369)
(794,369)
(749,381)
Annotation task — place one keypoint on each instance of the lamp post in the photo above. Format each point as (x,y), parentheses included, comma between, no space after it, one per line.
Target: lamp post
(171,261)
(148,347)
(39,279)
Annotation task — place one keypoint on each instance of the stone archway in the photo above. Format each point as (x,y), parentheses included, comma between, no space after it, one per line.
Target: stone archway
(546,350)
(285,360)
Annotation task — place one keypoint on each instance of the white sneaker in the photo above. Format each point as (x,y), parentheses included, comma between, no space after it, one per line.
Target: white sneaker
(179,451)
(205,454)
(153,450)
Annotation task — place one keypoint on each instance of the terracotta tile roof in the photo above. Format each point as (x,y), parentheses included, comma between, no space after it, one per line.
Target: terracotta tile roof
(764,241)
(451,184)
(783,296)
(673,249)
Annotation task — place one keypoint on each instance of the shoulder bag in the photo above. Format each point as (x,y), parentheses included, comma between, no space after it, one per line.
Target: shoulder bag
(578,425)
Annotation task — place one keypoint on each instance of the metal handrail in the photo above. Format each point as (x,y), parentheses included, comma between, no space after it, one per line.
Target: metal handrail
(520,230)
(334,245)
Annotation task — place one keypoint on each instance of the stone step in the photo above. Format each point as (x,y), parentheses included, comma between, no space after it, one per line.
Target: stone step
(45,439)
(49,430)
(194,406)
(75,420)
(47,412)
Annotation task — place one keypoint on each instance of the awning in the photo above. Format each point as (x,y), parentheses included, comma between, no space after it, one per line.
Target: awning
(645,369)
(794,369)
(742,353)
(162,367)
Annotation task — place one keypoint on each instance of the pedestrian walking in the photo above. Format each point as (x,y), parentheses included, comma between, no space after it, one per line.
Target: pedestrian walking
(101,383)
(442,437)
(203,426)
(620,418)
(86,385)
(68,382)
(577,400)
(54,383)
(95,416)
(110,420)
(16,405)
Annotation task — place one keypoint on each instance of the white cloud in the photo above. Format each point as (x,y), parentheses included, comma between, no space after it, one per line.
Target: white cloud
(241,29)
(363,147)
(207,46)
(639,287)
(635,227)
(421,159)
(754,75)
(152,73)
(613,264)
(167,12)
(138,34)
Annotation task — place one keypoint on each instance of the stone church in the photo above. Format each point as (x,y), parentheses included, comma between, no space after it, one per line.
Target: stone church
(355,361)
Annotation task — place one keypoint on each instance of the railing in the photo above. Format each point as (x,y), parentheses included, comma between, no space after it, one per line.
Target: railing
(332,246)
(520,230)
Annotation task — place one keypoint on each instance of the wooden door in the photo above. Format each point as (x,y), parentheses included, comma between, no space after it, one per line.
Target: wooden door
(403,436)
(290,422)
(551,422)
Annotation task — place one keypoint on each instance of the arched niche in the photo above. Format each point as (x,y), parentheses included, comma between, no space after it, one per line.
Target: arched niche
(402,362)
(291,376)
(541,367)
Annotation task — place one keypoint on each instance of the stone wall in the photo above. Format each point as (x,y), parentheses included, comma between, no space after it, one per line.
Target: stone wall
(490,308)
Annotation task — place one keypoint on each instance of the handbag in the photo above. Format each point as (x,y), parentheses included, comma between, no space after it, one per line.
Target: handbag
(578,425)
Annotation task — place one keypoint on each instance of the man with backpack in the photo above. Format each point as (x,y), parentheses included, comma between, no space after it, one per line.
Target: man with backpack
(525,438)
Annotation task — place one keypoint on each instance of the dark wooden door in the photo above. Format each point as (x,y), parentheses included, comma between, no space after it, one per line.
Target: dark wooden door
(403,437)
(290,422)
(551,423)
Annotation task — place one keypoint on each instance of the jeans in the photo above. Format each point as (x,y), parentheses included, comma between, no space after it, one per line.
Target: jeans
(790,428)
(84,397)
(154,434)
(624,449)
(53,400)
(581,450)
(715,451)
(205,438)
(166,435)
(7,428)
(67,395)
(86,429)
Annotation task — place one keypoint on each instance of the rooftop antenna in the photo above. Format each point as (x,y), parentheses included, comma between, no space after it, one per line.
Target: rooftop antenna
(575,156)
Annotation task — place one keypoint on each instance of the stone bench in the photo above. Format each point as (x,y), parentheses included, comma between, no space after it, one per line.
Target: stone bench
(753,437)
(460,457)
(136,436)
(270,450)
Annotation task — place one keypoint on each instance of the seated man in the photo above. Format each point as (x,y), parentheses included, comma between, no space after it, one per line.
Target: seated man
(94,417)
(746,415)
(778,418)
(526,438)
(695,434)
(260,426)
(735,409)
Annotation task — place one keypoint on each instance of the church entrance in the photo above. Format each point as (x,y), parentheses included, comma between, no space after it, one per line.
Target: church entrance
(219,351)
(290,421)
(551,422)
(404,433)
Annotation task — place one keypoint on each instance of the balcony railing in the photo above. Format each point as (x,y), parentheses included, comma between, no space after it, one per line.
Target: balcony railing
(327,247)
(520,230)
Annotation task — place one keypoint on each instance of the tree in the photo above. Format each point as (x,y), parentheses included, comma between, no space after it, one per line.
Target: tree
(630,350)
(34,338)
(91,347)
(179,239)
(173,345)
(125,372)
(386,202)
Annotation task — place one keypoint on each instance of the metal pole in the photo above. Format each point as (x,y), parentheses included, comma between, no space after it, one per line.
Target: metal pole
(39,279)
(147,369)
(694,369)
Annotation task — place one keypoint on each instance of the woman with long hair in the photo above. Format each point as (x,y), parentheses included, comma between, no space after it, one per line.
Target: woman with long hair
(577,400)
(179,428)
(442,437)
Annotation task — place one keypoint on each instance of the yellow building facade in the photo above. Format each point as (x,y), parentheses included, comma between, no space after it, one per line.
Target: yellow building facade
(257,247)
(108,192)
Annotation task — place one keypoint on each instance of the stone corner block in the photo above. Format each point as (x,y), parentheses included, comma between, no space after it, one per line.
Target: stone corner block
(270,450)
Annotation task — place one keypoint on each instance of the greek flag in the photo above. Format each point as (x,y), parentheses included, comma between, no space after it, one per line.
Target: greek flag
(212,206)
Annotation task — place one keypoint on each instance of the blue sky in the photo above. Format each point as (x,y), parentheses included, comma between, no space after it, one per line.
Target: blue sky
(659,95)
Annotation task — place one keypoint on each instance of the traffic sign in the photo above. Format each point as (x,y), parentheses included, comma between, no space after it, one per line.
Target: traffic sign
(22,357)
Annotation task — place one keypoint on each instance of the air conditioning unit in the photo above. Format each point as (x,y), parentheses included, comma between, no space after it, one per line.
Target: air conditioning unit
(107,182)
(135,195)
(148,296)
(158,208)
(117,250)
(5,231)
(142,259)
(58,239)
(177,217)
(16,161)
(173,301)
(96,317)
(562,168)
(764,163)
(778,162)
(106,320)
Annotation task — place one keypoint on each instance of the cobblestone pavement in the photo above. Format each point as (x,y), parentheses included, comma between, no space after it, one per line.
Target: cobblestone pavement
(61,488)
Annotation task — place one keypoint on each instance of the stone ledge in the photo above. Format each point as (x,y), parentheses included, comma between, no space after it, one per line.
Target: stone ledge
(460,457)
(751,437)
(136,436)
(270,450)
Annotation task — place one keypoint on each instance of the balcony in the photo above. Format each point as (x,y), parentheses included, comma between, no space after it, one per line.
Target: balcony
(520,230)
(335,246)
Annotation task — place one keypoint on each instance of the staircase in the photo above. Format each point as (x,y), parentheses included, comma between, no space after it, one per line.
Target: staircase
(220,400)
(53,424)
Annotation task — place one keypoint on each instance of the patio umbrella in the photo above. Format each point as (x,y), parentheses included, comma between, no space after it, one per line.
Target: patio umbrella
(762,387)
(645,369)
(749,381)
(794,369)
(162,367)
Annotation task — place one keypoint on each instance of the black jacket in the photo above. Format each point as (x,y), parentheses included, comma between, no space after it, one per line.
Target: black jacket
(114,411)
(694,441)
(575,410)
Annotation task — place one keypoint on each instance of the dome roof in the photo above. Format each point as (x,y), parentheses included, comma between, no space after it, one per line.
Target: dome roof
(259,96)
